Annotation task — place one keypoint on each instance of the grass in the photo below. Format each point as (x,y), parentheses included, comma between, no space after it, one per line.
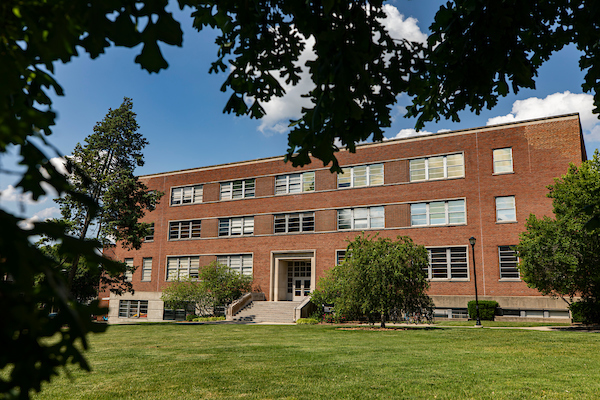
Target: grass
(217,361)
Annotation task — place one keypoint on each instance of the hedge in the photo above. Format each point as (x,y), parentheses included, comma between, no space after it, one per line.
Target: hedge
(487,309)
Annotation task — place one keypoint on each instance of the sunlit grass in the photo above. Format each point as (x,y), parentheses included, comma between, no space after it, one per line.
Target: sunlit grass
(216,361)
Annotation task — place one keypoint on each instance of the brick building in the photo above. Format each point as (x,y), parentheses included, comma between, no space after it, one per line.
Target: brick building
(285,226)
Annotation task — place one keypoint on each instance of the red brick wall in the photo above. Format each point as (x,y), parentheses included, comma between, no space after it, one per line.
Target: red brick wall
(542,150)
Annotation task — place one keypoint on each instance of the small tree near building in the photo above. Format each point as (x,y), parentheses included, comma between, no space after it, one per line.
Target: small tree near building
(217,286)
(561,256)
(379,277)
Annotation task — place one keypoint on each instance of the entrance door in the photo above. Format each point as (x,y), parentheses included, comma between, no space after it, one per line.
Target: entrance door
(298,282)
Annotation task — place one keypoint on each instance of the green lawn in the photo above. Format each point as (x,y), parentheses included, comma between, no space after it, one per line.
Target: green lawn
(216,361)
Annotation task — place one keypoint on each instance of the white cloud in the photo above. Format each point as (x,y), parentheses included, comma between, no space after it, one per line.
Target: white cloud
(16,195)
(279,111)
(411,132)
(556,104)
(42,215)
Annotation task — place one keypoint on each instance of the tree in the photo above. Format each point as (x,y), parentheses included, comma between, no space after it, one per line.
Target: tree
(476,46)
(104,171)
(557,255)
(479,50)
(378,277)
(216,286)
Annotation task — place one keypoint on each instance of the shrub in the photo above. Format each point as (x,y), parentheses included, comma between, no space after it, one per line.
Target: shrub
(208,319)
(190,317)
(307,321)
(487,309)
(585,311)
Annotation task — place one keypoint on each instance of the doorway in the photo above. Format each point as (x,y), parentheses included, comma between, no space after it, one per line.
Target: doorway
(298,279)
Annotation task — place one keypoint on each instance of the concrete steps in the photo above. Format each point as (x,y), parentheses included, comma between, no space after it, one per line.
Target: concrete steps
(267,311)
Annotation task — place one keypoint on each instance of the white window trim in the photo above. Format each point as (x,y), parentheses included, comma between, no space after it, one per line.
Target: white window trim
(151,235)
(195,189)
(446,212)
(243,269)
(512,162)
(246,223)
(129,307)
(226,189)
(507,279)
(129,269)
(304,178)
(368,176)
(445,161)
(180,222)
(352,218)
(190,271)
(146,269)
(302,215)
(448,265)
(511,221)
(337,255)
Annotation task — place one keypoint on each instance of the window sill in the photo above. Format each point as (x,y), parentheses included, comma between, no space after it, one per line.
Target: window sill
(449,280)
(503,173)
(506,222)
(510,280)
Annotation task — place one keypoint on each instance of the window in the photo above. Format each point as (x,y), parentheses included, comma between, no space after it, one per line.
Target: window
(146,269)
(438,213)
(150,236)
(133,308)
(184,229)
(186,195)
(440,167)
(182,267)
(295,183)
(298,222)
(503,162)
(237,189)
(364,175)
(505,209)
(361,218)
(129,269)
(236,226)
(242,263)
(340,256)
(447,263)
(508,263)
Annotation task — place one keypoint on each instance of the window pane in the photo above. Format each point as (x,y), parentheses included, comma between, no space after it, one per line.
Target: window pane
(176,195)
(456,212)
(455,165)
(344,219)
(295,183)
(345,178)
(436,167)
(197,194)
(376,174)
(237,191)
(417,170)
(248,225)
(508,262)
(377,217)
(226,191)
(223,227)
(187,194)
(437,213)
(249,188)
(185,230)
(439,263)
(360,176)
(196,225)
(308,182)
(281,184)
(418,214)
(505,209)
(146,269)
(458,262)
(502,160)
(294,223)
(236,226)
(279,224)
(308,222)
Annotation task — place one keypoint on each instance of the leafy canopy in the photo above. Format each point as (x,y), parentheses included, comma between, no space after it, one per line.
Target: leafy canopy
(379,278)
(558,256)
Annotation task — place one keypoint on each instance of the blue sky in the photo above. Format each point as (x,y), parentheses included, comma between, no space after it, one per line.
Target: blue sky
(180,109)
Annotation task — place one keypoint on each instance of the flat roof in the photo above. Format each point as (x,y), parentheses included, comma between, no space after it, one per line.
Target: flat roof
(385,142)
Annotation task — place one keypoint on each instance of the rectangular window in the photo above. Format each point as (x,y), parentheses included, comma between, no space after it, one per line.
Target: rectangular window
(297,222)
(186,195)
(359,176)
(185,229)
(238,189)
(133,308)
(503,162)
(295,183)
(179,268)
(340,256)
(129,269)
(508,262)
(361,218)
(505,209)
(146,269)
(447,263)
(242,263)
(236,226)
(150,236)
(448,212)
(439,167)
